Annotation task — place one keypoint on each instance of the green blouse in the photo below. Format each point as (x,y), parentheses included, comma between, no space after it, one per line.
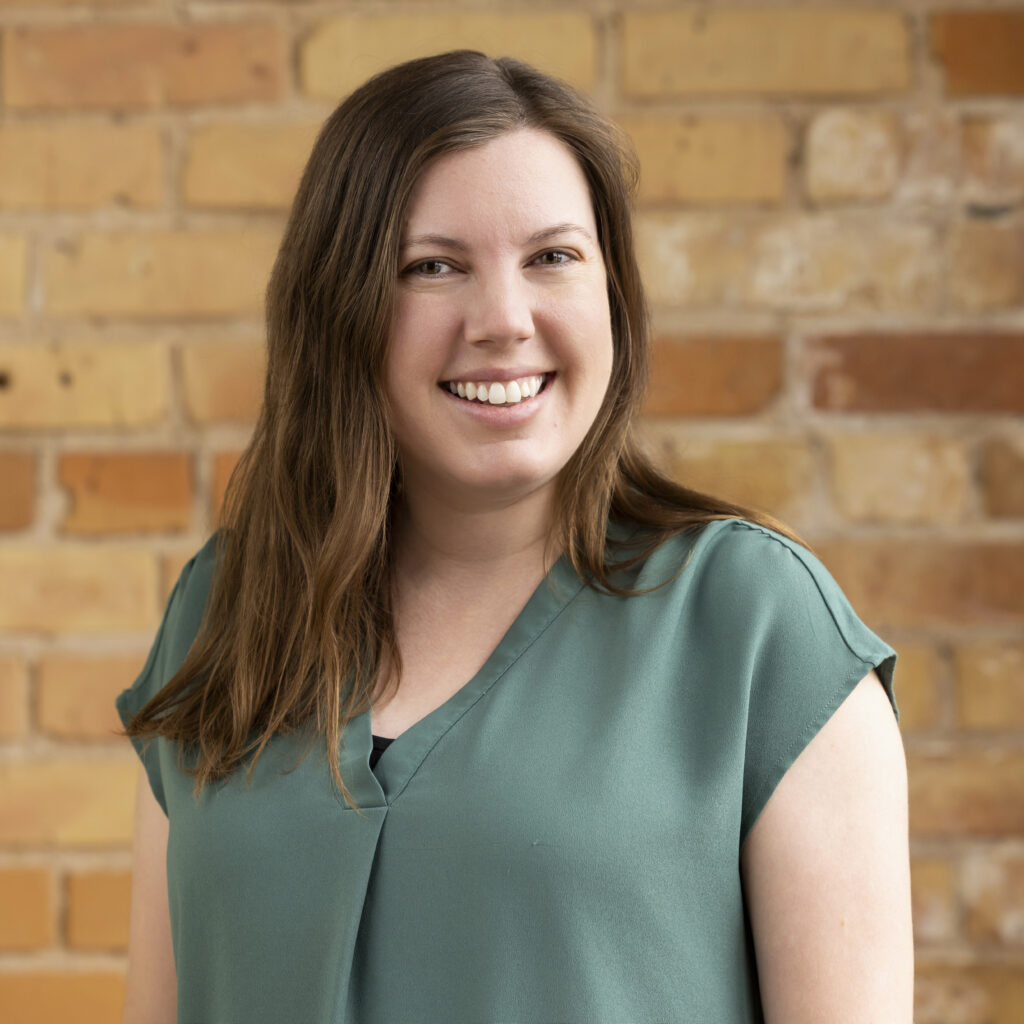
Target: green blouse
(559,841)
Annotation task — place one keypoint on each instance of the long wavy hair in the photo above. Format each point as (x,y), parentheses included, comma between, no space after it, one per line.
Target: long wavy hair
(299,617)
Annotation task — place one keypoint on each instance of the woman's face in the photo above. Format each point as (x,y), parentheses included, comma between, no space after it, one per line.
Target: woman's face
(501,346)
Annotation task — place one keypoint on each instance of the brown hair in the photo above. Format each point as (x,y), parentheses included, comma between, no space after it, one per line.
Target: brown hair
(299,615)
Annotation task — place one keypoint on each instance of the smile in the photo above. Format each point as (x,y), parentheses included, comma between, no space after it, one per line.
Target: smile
(499,393)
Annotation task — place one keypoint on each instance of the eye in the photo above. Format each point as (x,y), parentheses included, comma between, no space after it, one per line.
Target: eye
(559,258)
(429,268)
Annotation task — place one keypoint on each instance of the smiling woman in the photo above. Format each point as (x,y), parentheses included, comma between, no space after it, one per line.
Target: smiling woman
(591,746)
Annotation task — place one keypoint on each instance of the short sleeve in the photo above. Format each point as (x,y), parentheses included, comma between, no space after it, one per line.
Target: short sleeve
(805,651)
(177,631)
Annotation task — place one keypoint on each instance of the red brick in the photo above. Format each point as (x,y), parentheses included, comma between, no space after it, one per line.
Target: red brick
(966,793)
(117,493)
(142,66)
(911,583)
(730,376)
(38,997)
(1002,477)
(75,693)
(223,466)
(981,51)
(18,494)
(27,921)
(959,993)
(949,372)
(97,914)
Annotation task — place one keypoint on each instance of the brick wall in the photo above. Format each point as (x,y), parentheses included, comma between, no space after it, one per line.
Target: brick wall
(832,232)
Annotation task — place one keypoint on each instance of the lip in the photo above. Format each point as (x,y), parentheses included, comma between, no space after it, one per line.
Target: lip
(496,375)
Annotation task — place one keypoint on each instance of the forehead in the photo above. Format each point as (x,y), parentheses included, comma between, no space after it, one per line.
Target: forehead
(522,178)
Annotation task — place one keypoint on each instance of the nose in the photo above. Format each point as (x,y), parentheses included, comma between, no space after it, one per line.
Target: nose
(499,310)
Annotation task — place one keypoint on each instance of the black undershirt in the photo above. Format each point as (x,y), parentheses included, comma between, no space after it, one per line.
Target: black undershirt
(380,744)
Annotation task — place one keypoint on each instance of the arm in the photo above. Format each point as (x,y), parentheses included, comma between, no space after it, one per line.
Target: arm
(151,990)
(826,875)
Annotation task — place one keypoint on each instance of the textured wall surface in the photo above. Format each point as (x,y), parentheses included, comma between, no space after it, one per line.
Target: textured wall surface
(831,226)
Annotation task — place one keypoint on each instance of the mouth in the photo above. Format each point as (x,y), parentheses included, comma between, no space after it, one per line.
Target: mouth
(510,392)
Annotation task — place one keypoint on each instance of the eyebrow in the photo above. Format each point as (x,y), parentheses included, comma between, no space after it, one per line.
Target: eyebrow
(538,236)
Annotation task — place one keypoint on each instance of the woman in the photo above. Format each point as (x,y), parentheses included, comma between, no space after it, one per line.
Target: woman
(642,767)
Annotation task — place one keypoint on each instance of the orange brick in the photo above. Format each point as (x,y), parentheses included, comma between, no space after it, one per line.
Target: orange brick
(958,993)
(918,688)
(934,899)
(954,372)
(68,803)
(980,51)
(852,155)
(97,914)
(82,385)
(142,66)
(777,476)
(208,272)
(121,493)
(28,918)
(993,149)
(223,381)
(249,166)
(13,263)
(966,793)
(728,376)
(1002,477)
(73,588)
(13,698)
(812,52)
(900,478)
(343,52)
(987,265)
(710,159)
(786,262)
(75,693)
(990,685)
(96,997)
(223,466)
(18,496)
(912,583)
(994,893)
(79,166)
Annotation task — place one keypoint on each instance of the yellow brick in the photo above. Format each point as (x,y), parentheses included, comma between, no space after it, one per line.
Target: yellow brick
(205,272)
(223,380)
(97,914)
(710,159)
(994,895)
(809,263)
(77,589)
(75,693)
(900,478)
(83,385)
(67,803)
(13,698)
(39,997)
(342,53)
(994,159)
(990,685)
(777,476)
(782,50)
(934,899)
(247,165)
(959,993)
(78,166)
(171,566)
(13,260)
(918,690)
(852,154)
(27,921)
(987,268)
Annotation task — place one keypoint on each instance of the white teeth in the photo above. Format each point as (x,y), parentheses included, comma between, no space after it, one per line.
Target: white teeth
(496,393)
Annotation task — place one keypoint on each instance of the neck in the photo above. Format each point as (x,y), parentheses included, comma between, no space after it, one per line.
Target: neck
(438,535)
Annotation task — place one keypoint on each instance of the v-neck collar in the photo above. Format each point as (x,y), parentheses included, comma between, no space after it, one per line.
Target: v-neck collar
(403,757)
